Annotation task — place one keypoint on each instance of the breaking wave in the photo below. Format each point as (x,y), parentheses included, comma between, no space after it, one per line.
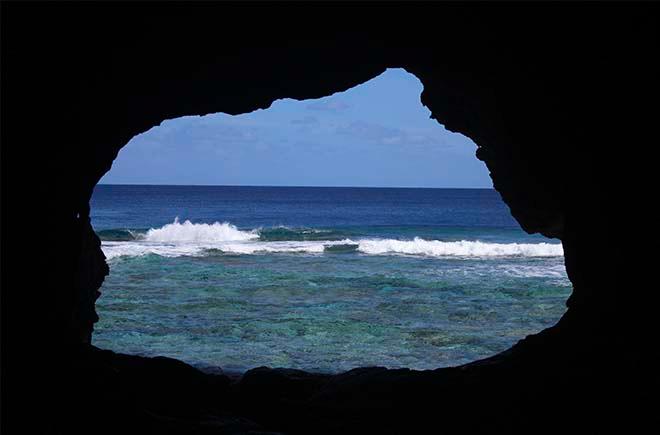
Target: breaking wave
(463,248)
(199,233)
(190,239)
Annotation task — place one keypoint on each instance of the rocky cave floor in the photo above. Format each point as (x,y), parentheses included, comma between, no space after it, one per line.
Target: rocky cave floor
(534,385)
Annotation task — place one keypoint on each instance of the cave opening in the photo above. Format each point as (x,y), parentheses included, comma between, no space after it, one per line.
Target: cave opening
(323,235)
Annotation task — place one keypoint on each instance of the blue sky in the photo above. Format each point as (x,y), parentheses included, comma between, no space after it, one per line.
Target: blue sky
(376,134)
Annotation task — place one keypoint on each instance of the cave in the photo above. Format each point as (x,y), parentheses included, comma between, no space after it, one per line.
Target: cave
(554,95)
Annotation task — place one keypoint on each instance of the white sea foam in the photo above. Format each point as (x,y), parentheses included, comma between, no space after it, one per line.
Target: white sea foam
(199,233)
(463,248)
(531,271)
(189,239)
(274,247)
(133,249)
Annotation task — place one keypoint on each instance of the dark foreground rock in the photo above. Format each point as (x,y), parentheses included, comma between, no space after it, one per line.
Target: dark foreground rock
(560,99)
(514,391)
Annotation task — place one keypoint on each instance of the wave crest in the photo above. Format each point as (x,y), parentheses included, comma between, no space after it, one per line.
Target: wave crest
(198,233)
(189,239)
(463,248)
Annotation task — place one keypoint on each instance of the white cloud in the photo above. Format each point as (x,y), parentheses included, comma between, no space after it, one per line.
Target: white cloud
(331,105)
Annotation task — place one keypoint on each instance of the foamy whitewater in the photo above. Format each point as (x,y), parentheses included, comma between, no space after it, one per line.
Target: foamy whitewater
(188,232)
(322,279)
(177,239)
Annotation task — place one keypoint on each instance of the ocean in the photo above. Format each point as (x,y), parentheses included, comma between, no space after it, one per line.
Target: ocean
(318,278)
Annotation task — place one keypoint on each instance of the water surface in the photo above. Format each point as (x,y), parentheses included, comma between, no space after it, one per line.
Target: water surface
(321,279)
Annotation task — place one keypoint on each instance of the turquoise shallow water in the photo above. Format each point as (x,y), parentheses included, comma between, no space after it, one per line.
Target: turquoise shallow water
(379,287)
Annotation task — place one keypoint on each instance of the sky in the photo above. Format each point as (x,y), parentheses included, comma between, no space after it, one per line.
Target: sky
(377,134)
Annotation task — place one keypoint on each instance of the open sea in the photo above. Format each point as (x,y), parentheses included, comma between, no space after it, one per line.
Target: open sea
(320,279)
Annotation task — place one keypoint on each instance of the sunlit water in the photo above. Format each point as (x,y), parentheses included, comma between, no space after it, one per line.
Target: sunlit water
(322,279)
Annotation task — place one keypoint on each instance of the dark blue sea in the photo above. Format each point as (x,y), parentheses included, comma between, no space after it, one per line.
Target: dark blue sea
(320,279)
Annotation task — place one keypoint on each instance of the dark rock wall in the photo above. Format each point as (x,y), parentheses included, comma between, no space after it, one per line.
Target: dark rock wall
(559,98)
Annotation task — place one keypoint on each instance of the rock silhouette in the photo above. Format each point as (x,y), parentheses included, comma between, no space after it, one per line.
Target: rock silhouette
(559,98)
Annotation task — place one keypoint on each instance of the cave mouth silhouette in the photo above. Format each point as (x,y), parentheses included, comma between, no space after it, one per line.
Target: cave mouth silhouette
(460,283)
(559,98)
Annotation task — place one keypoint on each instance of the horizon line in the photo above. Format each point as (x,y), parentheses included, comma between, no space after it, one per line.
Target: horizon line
(297,186)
